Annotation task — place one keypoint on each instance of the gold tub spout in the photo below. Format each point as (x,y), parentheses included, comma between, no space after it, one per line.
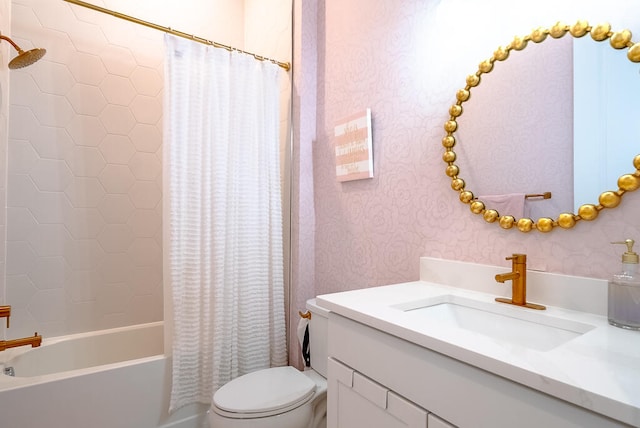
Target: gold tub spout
(34,341)
(518,278)
(5,312)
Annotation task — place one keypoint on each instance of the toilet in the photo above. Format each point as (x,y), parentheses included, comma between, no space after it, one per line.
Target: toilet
(279,397)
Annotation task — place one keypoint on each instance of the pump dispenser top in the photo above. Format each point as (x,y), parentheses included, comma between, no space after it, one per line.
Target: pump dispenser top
(624,291)
(629,256)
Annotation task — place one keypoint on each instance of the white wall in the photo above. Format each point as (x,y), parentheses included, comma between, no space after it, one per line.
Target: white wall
(5,25)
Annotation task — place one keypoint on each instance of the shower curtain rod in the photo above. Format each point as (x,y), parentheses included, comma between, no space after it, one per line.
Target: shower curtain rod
(169,30)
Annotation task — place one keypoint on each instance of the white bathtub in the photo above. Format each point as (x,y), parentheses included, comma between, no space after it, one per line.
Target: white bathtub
(117,378)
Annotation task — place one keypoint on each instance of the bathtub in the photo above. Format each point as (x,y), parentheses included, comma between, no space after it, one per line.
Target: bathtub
(116,378)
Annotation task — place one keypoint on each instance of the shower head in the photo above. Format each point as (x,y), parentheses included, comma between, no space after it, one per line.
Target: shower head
(24,58)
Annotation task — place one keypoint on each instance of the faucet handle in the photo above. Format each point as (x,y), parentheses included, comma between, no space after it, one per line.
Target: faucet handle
(517,258)
(5,312)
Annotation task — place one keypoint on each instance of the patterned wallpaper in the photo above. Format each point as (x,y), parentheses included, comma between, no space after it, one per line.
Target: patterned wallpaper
(305,54)
(406,63)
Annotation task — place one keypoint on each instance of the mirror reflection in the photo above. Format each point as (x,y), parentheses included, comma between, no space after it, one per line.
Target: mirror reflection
(524,111)
(606,110)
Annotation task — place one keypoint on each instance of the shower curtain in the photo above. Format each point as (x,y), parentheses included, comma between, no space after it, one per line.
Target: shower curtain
(223,217)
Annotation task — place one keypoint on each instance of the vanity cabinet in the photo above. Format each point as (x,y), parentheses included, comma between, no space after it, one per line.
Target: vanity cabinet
(379,380)
(357,401)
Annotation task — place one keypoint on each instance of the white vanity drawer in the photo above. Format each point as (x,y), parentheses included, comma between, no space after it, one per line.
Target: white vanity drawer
(435,422)
(401,408)
(370,390)
(362,402)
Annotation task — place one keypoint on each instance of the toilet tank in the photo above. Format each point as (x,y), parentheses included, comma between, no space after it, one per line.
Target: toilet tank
(318,335)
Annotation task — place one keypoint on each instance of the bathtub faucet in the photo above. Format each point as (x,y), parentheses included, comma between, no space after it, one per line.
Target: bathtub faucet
(34,341)
(5,312)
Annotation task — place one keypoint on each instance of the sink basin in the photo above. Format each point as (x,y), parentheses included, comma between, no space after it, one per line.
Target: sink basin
(505,324)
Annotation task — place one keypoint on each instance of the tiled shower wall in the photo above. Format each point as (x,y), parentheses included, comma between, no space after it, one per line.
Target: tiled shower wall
(84,195)
(84,243)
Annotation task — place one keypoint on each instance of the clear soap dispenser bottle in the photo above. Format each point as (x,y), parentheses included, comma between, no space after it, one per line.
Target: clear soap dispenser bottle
(624,291)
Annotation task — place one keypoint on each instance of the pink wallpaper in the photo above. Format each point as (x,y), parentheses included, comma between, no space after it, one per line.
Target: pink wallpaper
(406,63)
(302,195)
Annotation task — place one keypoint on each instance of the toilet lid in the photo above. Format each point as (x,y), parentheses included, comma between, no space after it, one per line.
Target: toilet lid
(264,391)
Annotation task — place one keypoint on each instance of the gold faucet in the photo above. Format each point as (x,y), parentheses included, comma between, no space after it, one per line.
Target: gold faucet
(518,278)
(34,341)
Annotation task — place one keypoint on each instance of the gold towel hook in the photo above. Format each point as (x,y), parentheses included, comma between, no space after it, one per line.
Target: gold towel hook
(306,315)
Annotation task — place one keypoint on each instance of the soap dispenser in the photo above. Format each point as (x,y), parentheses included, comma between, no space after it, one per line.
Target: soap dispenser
(624,291)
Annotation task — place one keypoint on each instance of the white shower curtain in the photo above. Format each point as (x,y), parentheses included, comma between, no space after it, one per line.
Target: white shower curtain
(223,217)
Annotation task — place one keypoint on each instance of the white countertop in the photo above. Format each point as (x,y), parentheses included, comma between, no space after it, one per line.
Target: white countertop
(598,370)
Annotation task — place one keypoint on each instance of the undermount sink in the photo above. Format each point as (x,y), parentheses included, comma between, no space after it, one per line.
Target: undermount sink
(506,324)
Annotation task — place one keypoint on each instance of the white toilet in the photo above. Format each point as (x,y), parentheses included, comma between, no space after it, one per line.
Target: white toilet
(279,397)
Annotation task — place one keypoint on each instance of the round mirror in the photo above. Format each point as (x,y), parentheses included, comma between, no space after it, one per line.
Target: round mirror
(509,121)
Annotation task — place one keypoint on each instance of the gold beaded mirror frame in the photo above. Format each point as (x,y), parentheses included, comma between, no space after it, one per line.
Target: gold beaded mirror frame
(588,212)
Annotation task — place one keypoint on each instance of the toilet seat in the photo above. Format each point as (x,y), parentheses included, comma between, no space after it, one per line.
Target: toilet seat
(264,393)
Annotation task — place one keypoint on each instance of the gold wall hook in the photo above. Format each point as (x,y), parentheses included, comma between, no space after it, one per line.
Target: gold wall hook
(306,315)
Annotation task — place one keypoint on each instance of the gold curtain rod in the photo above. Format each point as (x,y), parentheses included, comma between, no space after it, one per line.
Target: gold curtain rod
(285,65)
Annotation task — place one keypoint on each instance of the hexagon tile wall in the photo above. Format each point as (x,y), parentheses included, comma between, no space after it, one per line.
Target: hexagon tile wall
(84,244)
